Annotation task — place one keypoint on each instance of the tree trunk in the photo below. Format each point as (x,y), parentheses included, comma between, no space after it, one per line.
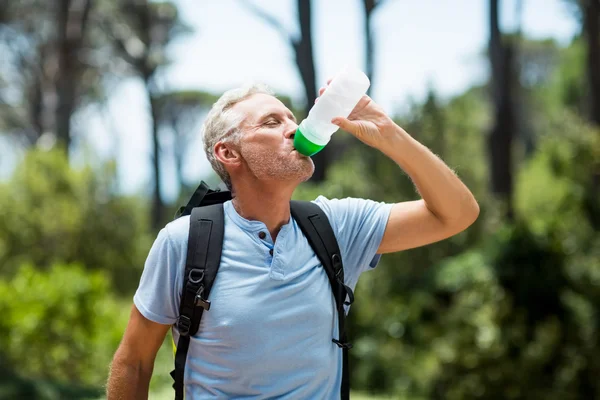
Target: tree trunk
(501,135)
(157,203)
(179,172)
(179,147)
(369,6)
(147,71)
(591,26)
(303,50)
(156,217)
(71,29)
(35,101)
(592,33)
(65,86)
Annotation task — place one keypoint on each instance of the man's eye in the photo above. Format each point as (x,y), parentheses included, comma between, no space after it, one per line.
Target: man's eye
(272,122)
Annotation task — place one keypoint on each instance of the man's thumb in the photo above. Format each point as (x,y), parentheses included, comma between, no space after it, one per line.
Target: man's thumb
(345,124)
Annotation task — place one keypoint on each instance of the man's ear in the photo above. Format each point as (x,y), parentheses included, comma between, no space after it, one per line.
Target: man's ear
(227,154)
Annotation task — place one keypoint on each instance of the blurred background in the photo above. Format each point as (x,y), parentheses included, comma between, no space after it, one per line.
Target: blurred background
(100,107)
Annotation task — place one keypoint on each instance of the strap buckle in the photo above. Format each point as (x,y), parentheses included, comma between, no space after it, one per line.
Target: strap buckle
(346,346)
(199,300)
(183,325)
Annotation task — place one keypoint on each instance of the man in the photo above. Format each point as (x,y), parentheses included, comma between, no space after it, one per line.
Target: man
(268,332)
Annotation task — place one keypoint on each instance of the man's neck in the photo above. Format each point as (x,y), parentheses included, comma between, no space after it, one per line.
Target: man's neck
(269,204)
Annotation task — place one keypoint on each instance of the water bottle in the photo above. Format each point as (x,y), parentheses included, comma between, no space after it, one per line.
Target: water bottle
(340,98)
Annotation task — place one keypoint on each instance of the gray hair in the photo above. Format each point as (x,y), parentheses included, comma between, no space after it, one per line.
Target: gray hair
(222,124)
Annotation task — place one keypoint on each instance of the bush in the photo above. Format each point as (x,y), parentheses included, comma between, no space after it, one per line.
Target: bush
(59,324)
(54,213)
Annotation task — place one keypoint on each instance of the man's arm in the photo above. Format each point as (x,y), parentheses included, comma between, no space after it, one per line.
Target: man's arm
(133,362)
(447,206)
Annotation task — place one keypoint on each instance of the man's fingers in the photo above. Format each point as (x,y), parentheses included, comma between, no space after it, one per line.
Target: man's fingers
(322,89)
(345,124)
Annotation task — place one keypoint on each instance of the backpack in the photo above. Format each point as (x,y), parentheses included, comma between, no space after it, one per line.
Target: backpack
(204,256)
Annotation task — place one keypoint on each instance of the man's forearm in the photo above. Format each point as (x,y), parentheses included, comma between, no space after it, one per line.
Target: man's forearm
(443,192)
(127,382)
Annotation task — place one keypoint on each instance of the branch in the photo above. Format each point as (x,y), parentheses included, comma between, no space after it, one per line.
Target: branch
(268,18)
(127,56)
(519,18)
(85,17)
(371,5)
(380,3)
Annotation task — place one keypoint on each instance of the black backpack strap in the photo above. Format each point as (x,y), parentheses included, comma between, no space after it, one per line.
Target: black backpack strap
(316,227)
(205,240)
(203,196)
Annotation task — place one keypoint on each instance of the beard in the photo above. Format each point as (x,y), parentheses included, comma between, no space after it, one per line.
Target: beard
(279,166)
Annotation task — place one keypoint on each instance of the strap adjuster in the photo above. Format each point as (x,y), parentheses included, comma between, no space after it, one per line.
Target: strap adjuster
(183,325)
(341,345)
(336,260)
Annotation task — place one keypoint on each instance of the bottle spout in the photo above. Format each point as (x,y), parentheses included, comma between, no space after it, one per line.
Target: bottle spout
(305,146)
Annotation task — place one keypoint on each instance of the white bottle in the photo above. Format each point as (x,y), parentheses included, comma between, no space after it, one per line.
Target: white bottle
(340,98)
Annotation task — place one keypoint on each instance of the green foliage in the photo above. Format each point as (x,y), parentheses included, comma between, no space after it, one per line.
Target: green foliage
(566,86)
(555,188)
(59,324)
(512,322)
(53,213)
(15,386)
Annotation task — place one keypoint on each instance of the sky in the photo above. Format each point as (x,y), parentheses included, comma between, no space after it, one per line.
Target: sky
(419,44)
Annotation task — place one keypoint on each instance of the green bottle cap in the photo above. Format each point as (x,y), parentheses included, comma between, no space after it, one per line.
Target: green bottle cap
(305,146)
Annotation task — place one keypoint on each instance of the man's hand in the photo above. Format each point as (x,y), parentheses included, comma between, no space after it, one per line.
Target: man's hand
(447,206)
(367,122)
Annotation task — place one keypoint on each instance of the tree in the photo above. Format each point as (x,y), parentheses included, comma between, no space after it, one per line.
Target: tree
(180,113)
(64,319)
(140,36)
(73,18)
(302,45)
(591,27)
(588,12)
(369,7)
(22,72)
(500,141)
(48,65)
(55,213)
(537,64)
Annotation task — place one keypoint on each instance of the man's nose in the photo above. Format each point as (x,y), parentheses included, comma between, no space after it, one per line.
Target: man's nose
(290,130)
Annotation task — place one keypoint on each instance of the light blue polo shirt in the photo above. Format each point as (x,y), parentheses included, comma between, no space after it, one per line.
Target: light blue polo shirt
(272,317)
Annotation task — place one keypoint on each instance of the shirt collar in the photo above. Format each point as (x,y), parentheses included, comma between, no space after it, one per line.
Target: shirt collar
(244,223)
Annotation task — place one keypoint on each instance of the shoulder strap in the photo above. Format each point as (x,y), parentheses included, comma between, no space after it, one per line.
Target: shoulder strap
(203,196)
(316,227)
(205,240)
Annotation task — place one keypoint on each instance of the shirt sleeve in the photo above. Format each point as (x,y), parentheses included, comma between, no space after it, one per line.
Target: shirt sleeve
(359,225)
(156,297)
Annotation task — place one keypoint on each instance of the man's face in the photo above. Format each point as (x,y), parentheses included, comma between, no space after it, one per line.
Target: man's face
(266,144)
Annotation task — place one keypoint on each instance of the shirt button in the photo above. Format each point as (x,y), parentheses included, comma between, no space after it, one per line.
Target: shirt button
(271,252)
(262,235)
